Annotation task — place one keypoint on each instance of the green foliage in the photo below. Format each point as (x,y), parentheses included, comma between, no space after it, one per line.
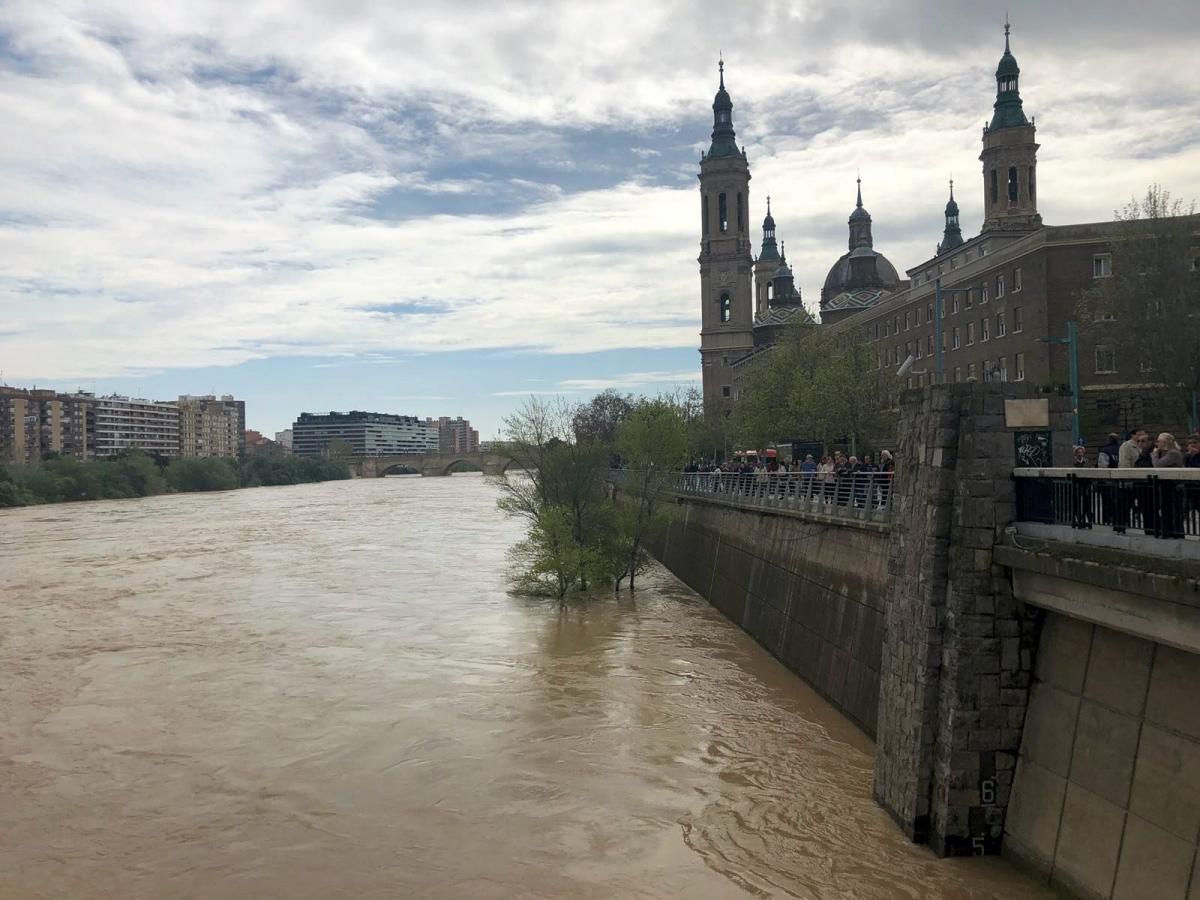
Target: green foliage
(580,537)
(60,479)
(815,386)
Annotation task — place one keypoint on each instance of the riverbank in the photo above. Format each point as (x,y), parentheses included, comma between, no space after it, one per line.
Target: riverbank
(134,474)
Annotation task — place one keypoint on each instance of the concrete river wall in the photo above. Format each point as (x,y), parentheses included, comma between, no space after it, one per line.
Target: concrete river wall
(810,592)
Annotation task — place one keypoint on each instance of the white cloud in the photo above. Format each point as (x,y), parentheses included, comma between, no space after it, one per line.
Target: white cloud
(206,183)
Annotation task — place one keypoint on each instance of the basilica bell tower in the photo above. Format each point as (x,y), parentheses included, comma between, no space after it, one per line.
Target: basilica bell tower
(1009,156)
(726,296)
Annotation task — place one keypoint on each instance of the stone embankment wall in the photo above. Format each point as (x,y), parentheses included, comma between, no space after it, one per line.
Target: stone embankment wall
(809,591)
(1107,796)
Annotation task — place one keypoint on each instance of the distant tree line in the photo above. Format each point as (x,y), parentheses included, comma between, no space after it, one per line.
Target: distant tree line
(59,479)
(582,535)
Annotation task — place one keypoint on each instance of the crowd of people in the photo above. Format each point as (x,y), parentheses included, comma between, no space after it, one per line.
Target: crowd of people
(838,479)
(1158,508)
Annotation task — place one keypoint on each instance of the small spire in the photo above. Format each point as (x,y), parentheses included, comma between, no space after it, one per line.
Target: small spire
(859,203)
(1006,27)
(768,204)
(951,187)
(721,65)
(782,251)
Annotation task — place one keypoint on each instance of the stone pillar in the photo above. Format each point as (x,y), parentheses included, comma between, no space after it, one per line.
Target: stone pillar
(958,652)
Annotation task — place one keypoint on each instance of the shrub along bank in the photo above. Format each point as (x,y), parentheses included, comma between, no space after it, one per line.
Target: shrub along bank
(60,479)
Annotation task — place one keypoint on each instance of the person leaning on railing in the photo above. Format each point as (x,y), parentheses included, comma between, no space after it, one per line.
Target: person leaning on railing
(1167,455)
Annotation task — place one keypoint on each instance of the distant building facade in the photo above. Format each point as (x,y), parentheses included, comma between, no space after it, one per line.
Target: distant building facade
(211,426)
(284,439)
(366,433)
(130,423)
(455,435)
(35,423)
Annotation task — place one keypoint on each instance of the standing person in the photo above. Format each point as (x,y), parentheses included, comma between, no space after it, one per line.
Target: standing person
(1171,500)
(1127,456)
(1109,456)
(826,472)
(1081,491)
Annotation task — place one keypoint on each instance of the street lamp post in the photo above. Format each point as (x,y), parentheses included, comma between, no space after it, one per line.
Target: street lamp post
(1072,343)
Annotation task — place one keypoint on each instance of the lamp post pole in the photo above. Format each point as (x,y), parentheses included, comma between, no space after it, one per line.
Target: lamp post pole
(1072,344)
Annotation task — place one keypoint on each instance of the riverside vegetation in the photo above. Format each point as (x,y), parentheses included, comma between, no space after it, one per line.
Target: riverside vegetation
(59,479)
(582,535)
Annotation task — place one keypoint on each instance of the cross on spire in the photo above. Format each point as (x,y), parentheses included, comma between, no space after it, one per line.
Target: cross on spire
(859,181)
(721,68)
(768,204)
(1006,27)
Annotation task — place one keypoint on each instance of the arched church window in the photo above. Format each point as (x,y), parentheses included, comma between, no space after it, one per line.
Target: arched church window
(722,213)
(1032,184)
(725,306)
(741,213)
(995,187)
(704,213)
(1013,188)
(770,290)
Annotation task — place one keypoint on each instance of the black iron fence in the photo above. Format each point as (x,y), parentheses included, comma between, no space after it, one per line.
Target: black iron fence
(862,495)
(1163,503)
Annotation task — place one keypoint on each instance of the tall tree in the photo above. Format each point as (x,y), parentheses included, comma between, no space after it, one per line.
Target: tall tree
(599,419)
(1148,309)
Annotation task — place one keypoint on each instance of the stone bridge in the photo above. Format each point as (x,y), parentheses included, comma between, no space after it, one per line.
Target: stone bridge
(431,463)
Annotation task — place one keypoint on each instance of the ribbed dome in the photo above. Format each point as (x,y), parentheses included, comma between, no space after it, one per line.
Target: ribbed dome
(839,278)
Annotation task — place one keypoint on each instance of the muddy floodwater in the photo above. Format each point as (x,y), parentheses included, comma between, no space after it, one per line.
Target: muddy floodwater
(325,691)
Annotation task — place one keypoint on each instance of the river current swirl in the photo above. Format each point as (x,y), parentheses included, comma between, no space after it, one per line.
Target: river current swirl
(326,691)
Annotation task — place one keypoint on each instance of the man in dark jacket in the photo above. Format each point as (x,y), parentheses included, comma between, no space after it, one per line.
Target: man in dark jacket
(1109,455)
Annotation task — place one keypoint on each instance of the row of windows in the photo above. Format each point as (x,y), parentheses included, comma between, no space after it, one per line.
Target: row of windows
(959,300)
(991,370)
(954,339)
(1102,265)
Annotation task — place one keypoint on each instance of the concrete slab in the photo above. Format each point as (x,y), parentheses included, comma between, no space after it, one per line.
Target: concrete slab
(1119,670)
(1035,812)
(1174,688)
(1153,864)
(1166,782)
(1088,843)
(1106,743)
(1063,655)
(1050,728)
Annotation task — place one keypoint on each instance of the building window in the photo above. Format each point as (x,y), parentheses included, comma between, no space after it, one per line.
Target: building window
(722,213)
(985,329)
(1019,361)
(1014,188)
(958,373)
(741,214)
(954,303)
(983,293)
(705,213)
(970,333)
(920,353)
(1102,265)
(928,313)
(921,381)
(1032,176)
(953,263)
(1016,279)
(896,326)
(876,329)
(725,390)
(957,342)
(999,286)
(970,297)
(995,184)
(1003,362)
(1000,325)
(943,308)
(908,349)
(907,325)
(929,345)
(725,305)
(940,268)
(887,327)
(1018,320)
(971,372)
(1106,361)
(899,358)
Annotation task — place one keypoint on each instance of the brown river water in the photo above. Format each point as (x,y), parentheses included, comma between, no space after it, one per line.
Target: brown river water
(325,691)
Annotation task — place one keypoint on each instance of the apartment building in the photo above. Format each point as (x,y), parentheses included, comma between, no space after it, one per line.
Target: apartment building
(366,433)
(34,423)
(211,426)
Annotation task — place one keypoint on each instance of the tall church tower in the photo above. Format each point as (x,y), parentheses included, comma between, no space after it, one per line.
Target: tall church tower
(765,266)
(1009,156)
(727,307)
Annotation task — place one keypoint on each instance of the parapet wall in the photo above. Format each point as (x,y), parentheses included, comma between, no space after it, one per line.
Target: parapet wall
(810,592)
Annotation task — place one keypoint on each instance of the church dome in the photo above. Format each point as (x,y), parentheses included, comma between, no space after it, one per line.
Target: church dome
(841,276)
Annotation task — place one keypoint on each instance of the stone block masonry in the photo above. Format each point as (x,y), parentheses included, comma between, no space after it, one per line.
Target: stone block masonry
(957,659)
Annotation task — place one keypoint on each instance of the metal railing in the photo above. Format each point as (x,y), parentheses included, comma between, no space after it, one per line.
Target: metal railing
(1163,503)
(864,496)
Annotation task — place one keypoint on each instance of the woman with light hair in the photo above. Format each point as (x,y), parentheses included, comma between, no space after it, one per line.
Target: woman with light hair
(1167,454)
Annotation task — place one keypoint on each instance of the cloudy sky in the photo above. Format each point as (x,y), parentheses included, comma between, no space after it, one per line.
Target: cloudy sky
(437,208)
